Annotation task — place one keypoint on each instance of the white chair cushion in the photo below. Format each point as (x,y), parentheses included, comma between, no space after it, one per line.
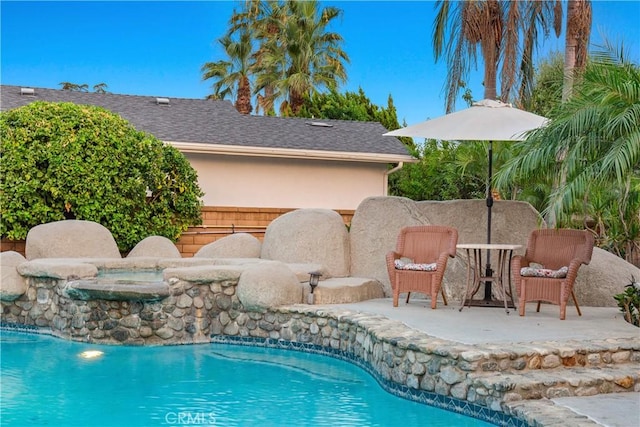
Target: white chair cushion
(400,264)
(561,273)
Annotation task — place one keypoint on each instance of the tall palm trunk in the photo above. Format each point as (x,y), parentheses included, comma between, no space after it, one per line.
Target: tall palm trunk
(490,73)
(243,101)
(577,35)
(491,43)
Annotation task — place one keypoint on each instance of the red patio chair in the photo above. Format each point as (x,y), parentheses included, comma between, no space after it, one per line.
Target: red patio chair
(549,267)
(420,259)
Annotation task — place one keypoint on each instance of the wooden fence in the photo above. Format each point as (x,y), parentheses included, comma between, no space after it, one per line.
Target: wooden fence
(217,222)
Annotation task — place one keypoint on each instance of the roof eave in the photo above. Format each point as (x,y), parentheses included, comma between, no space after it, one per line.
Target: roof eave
(288,153)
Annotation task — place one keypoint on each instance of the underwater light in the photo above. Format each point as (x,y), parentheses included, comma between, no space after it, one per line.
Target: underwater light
(91,354)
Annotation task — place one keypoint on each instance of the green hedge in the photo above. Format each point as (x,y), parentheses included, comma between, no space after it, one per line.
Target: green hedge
(62,160)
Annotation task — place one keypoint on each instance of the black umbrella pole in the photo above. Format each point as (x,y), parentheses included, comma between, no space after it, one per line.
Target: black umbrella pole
(488,269)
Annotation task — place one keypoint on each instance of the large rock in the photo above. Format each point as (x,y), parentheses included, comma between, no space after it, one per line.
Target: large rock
(302,271)
(12,284)
(374,231)
(268,285)
(58,268)
(309,236)
(605,276)
(511,223)
(155,246)
(344,290)
(70,239)
(378,220)
(238,245)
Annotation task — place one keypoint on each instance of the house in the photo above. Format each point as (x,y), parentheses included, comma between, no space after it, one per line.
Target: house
(253,163)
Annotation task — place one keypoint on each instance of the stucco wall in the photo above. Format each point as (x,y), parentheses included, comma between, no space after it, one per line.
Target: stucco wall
(290,183)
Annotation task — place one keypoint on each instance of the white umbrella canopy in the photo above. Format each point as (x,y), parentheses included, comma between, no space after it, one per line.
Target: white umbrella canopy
(485,120)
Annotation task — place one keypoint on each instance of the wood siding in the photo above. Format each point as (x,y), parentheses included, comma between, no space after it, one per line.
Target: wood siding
(217,222)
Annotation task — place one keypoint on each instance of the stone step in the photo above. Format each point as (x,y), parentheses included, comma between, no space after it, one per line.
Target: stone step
(342,290)
(117,290)
(560,382)
(568,354)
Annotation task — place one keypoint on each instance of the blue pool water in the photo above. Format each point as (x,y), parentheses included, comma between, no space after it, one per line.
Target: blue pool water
(46,381)
(138,275)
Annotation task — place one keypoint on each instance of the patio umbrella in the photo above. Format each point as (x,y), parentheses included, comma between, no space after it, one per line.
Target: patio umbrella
(485,120)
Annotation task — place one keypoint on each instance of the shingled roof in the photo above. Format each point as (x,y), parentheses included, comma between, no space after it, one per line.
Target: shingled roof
(208,126)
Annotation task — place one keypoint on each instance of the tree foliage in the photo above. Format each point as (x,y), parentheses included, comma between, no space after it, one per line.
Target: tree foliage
(306,56)
(442,174)
(593,141)
(231,76)
(547,92)
(506,35)
(349,106)
(75,87)
(286,53)
(61,159)
(352,106)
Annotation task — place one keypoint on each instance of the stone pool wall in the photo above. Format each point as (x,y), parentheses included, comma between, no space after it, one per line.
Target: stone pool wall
(202,305)
(190,314)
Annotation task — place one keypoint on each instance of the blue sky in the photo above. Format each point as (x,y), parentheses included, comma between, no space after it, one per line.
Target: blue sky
(156,48)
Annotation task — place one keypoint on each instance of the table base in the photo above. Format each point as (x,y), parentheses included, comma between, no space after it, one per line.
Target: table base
(475,276)
(488,303)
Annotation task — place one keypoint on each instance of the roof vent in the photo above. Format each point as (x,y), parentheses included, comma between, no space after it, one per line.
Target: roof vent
(27,91)
(162,101)
(320,124)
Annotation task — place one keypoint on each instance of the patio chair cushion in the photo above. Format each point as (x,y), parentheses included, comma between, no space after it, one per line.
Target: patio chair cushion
(401,264)
(544,272)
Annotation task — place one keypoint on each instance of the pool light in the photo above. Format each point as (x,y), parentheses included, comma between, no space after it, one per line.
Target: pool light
(91,354)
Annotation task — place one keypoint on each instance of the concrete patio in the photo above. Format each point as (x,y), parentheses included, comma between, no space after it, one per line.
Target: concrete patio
(491,326)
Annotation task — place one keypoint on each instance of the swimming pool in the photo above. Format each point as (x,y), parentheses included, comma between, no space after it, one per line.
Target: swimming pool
(48,381)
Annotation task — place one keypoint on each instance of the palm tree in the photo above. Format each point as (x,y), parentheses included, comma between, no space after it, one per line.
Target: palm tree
(296,55)
(543,16)
(303,58)
(506,30)
(100,88)
(596,130)
(262,20)
(231,77)
(578,30)
(74,87)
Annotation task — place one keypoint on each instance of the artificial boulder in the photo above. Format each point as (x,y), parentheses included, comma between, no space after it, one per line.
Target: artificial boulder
(12,284)
(374,232)
(309,236)
(155,246)
(378,220)
(268,285)
(70,239)
(511,221)
(605,276)
(237,245)
(345,290)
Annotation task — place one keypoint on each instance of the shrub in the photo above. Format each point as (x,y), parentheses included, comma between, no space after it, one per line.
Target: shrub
(65,160)
(629,302)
